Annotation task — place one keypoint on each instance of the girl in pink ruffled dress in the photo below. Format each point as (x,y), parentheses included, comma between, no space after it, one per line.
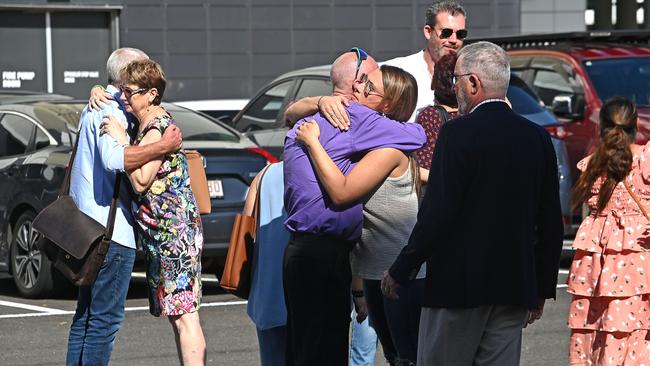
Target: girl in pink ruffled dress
(609,314)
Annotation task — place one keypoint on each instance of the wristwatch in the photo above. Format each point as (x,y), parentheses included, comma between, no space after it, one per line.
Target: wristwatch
(357,293)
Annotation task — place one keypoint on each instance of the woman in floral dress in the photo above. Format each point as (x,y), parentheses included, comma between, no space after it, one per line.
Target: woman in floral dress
(609,314)
(431,117)
(171,233)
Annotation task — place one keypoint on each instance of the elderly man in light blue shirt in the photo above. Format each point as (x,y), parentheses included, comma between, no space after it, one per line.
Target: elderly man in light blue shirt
(100,307)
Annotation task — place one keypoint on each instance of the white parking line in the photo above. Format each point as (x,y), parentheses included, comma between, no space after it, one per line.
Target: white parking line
(43,311)
(50,312)
(31,307)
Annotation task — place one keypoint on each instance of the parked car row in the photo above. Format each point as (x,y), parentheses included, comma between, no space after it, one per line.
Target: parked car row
(262,119)
(36,138)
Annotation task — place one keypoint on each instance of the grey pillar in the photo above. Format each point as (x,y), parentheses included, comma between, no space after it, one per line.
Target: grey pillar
(603,14)
(626,14)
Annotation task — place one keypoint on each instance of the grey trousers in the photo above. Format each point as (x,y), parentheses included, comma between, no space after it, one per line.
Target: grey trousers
(486,335)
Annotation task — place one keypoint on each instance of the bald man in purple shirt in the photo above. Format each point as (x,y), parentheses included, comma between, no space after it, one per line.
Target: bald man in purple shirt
(316,262)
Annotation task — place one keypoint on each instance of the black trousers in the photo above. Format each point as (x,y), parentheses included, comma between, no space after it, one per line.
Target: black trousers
(317,294)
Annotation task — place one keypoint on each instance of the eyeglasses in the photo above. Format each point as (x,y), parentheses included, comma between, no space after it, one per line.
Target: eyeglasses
(128,92)
(447,32)
(454,77)
(369,88)
(361,55)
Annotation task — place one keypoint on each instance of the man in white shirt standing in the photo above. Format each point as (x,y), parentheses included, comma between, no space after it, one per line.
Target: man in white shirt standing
(444,31)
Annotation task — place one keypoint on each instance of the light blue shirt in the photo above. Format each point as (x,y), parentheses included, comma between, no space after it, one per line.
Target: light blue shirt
(266,300)
(99,158)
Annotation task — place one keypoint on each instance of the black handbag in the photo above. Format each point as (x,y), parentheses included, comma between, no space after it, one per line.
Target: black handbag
(72,240)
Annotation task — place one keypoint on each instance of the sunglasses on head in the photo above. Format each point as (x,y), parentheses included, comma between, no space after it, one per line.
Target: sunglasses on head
(447,32)
(128,92)
(361,55)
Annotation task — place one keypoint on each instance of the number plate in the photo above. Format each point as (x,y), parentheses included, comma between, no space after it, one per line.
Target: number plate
(215,188)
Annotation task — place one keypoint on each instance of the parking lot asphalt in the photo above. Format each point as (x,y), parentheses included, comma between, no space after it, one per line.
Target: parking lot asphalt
(34,332)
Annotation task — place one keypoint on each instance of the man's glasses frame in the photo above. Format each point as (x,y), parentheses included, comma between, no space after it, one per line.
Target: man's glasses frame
(455,78)
(128,92)
(361,56)
(369,87)
(447,32)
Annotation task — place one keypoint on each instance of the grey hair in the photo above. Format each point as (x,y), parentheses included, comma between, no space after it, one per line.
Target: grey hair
(490,62)
(119,59)
(443,6)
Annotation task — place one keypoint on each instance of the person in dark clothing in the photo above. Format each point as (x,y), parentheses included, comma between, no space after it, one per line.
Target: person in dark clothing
(490,224)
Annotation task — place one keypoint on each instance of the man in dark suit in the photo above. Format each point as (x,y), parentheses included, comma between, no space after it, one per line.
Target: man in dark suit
(490,225)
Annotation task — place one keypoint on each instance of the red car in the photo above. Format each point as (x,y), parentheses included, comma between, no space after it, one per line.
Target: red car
(573,73)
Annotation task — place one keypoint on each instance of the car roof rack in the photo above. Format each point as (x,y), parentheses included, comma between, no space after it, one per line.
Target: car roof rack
(569,39)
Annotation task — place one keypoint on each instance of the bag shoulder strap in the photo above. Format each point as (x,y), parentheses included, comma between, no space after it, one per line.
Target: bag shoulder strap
(636,200)
(442,112)
(65,188)
(256,211)
(113,210)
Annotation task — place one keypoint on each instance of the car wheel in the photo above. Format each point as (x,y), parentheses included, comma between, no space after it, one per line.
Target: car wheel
(33,273)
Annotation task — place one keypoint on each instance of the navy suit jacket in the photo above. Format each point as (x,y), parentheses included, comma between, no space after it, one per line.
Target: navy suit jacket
(490,224)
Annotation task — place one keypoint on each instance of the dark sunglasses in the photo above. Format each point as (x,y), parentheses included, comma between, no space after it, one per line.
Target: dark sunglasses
(369,88)
(447,32)
(128,92)
(361,55)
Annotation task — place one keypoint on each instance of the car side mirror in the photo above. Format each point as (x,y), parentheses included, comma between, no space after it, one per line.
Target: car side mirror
(567,106)
(561,105)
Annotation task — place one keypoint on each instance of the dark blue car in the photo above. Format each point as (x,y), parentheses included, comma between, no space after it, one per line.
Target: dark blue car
(35,145)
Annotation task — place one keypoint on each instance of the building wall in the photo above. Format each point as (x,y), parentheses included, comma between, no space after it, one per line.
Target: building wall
(230,48)
(542,16)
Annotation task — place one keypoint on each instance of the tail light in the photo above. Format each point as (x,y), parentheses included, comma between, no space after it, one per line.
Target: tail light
(267,155)
(556,131)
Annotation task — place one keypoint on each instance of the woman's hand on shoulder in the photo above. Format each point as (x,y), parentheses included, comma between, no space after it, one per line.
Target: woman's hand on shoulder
(99,98)
(113,127)
(333,108)
(308,133)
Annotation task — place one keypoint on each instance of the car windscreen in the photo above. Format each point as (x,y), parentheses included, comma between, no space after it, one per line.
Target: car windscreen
(197,127)
(61,120)
(628,77)
(522,102)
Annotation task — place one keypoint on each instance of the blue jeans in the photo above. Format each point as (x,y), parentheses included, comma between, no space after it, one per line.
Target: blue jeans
(363,344)
(100,310)
(272,345)
(397,322)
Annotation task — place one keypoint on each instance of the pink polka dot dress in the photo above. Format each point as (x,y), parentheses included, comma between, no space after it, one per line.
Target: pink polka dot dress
(609,279)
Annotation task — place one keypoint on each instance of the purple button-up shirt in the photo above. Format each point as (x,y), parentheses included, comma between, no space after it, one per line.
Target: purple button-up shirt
(309,208)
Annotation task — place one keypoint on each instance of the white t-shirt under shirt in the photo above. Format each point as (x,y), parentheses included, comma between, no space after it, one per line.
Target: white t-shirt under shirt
(417,67)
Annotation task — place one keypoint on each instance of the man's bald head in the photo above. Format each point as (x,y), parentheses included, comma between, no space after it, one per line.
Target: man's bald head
(343,70)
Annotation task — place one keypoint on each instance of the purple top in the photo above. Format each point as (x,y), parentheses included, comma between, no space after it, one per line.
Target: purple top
(308,207)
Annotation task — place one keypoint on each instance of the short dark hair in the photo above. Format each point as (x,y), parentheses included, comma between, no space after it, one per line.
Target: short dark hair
(443,6)
(443,72)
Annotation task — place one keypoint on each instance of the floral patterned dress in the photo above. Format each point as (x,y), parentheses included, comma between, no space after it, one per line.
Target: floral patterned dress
(430,120)
(171,234)
(609,279)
